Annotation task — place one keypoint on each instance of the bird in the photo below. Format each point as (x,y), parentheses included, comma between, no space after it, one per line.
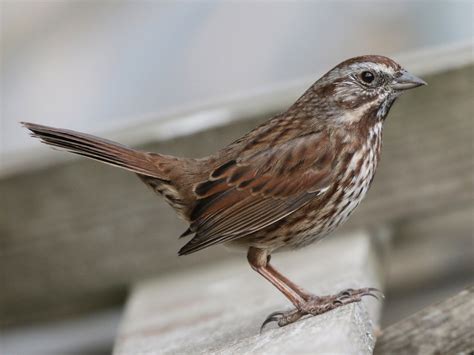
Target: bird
(284,185)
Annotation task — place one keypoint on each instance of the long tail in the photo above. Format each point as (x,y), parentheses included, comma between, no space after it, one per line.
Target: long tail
(98,149)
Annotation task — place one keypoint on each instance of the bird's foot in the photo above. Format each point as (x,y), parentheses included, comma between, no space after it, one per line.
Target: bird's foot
(315,305)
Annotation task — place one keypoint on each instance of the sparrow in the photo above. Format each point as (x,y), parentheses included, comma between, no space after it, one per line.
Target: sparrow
(284,185)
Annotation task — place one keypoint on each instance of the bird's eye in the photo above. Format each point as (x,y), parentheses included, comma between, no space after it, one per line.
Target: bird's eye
(367,77)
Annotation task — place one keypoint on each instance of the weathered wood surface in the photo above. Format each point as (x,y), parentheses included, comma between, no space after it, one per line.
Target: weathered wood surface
(443,328)
(73,236)
(430,259)
(218,310)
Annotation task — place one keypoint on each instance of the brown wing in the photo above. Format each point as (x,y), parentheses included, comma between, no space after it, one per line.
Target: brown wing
(247,194)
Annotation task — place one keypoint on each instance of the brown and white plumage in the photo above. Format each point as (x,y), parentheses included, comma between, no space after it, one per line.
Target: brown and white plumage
(295,165)
(286,183)
(258,189)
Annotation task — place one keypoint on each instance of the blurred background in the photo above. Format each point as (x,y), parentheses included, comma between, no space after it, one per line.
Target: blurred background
(186,78)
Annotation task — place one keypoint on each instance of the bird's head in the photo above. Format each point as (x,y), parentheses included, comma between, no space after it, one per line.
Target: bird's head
(362,86)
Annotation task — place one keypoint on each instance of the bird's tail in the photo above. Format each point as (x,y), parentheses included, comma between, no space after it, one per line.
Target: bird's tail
(99,149)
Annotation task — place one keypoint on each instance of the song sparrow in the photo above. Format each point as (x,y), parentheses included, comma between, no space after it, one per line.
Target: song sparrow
(285,184)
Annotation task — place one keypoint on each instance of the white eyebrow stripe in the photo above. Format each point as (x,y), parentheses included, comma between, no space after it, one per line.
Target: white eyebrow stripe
(374,66)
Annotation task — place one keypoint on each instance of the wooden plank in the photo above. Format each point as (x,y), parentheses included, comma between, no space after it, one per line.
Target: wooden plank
(74,235)
(443,328)
(219,310)
(429,260)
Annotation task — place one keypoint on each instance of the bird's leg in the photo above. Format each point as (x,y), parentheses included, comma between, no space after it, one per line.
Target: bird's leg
(304,302)
(299,290)
(259,261)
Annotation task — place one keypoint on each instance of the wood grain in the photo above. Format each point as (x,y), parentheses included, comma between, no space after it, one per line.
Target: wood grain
(219,310)
(443,328)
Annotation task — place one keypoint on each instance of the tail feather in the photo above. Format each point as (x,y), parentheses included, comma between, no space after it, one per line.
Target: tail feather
(98,149)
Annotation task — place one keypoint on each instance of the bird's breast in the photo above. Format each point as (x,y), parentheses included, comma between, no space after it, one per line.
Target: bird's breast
(348,190)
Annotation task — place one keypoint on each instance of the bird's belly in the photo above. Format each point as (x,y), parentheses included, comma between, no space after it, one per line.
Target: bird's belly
(330,217)
(307,225)
(348,195)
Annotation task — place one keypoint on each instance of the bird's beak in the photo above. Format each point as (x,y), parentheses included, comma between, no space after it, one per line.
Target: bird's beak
(406,81)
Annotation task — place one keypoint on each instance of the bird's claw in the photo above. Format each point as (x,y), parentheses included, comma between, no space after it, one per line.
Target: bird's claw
(272,317)
(319,305)
(282,318)
(353,295)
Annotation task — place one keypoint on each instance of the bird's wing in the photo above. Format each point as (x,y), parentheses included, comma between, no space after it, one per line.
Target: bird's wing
(247,194)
